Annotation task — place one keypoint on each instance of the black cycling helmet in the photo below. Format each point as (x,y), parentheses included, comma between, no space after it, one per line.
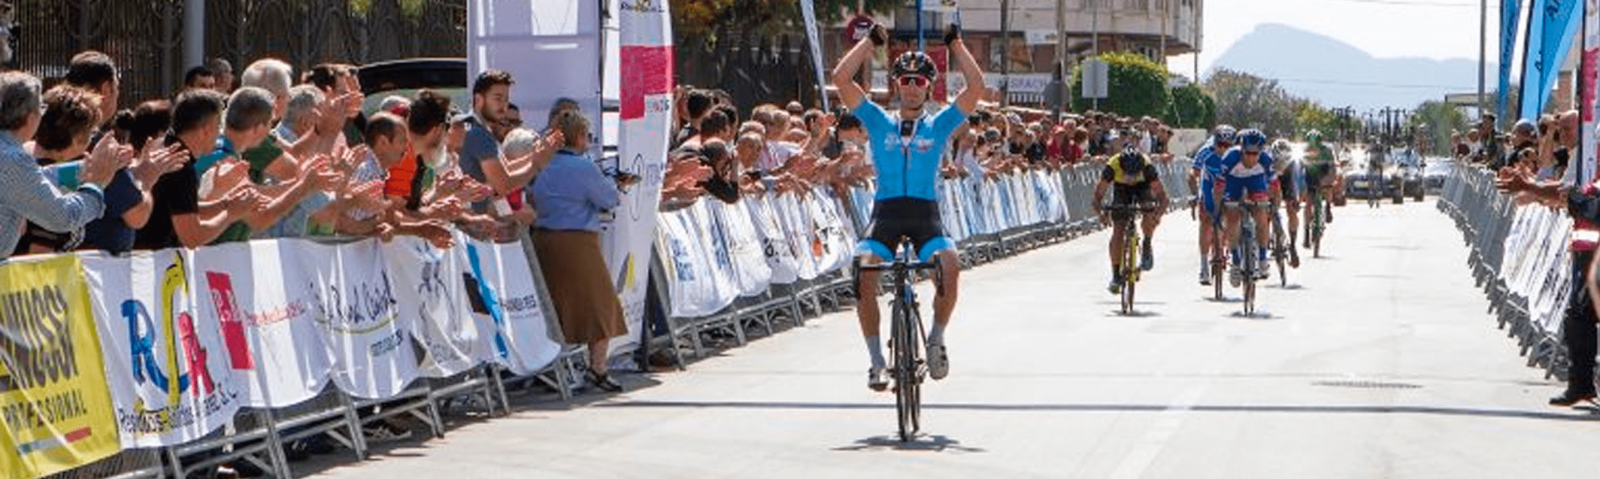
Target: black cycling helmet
(914,63)
(1131,160)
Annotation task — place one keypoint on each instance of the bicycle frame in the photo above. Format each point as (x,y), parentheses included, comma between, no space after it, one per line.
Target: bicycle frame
(1130,248)
(906,335)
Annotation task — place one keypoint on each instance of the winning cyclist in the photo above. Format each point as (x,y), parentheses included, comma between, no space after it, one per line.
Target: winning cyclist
(1134,182)
(906,149)
(1245,175)
(1321,175)
(1207,160)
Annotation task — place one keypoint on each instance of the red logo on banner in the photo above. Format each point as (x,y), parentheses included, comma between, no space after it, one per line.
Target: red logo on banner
(646,70)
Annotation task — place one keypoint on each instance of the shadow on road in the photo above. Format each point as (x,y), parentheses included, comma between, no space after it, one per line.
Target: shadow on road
(1151,408)
(934,443)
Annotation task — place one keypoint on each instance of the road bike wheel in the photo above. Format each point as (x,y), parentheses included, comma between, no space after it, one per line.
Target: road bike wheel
(1250,267)
(1279,253)
(1130,270)
(1219,267)
(917,371)
(903,370)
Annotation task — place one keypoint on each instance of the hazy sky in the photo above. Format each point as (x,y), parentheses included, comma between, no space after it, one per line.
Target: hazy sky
(1384,28)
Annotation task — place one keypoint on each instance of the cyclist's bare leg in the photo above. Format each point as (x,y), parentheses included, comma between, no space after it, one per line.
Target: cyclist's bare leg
(1115,246)
(944,299)
(1148,223)
(1263,228)
(867,295)
(1231,227)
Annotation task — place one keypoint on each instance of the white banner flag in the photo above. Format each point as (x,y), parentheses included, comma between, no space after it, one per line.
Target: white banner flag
(353,302)
(243,286)
(172,378)
(645,49)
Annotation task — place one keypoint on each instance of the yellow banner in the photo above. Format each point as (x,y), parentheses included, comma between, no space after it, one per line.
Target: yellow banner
(54,406)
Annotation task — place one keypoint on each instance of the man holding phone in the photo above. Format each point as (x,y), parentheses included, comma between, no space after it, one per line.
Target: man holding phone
(906,149)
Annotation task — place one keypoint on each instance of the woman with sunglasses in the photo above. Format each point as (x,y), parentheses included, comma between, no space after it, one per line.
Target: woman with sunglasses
(907,147)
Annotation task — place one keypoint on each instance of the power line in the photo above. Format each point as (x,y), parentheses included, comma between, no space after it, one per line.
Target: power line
(1369,84)
(1412,3)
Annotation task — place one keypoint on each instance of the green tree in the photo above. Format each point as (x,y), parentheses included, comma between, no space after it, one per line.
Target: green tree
(1138,87)
(1438,119)
(1311,116)
(1191,107)
(1248,101)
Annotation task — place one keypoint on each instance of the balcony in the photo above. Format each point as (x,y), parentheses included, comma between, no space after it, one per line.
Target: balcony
(1138,21)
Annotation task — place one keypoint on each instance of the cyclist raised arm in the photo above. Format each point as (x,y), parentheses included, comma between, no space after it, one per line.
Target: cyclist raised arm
(906,150)
(1133,181)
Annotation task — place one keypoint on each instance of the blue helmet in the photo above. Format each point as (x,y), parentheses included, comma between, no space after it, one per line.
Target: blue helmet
(1225,134)
(1252,139)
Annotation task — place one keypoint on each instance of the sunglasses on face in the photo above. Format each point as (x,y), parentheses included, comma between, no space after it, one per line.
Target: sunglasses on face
(1248,152)
(913,80)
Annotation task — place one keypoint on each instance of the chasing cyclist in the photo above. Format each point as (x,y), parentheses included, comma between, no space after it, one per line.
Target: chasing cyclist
(1321,177)
(1206,161)
(1291,182)
(907,146)
(1245,175)
(1133,181)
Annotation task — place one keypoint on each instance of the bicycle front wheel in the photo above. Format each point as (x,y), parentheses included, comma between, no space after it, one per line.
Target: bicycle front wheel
(905,369)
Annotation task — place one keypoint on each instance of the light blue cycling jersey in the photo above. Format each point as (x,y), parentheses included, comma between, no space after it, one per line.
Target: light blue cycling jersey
(908,169)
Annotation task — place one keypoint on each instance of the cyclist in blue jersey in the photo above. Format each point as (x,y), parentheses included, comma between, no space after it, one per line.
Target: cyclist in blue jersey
(1245,175)
(907,146)
(1209,159)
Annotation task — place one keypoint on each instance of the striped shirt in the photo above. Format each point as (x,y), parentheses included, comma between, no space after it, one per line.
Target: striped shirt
(27,195)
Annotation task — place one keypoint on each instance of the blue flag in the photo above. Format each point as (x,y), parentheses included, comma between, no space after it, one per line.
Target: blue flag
(1510,11)
(1553,25)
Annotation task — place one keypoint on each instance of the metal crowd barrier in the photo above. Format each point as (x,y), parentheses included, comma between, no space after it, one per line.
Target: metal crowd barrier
(258,435)
(1519,256)
(989,218)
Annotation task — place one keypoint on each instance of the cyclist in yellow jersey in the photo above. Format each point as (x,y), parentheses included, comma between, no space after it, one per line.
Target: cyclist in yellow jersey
(1133,180)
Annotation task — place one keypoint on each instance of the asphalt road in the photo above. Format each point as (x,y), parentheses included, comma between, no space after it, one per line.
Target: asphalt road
(1378,361)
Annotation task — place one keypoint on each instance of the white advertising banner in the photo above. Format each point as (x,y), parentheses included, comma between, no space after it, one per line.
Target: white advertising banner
(506,300)
(172,376)
(353,303)
(782,259)
(750,269)
(432,297)
(289,362)
(645,49)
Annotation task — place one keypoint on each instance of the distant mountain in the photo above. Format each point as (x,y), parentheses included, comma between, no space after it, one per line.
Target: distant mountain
(1337,74)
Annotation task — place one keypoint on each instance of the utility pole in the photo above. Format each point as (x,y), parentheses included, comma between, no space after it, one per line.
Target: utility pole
(1060,73)
(1005,54)
(1094,41)
(1483,44)
(1166,6)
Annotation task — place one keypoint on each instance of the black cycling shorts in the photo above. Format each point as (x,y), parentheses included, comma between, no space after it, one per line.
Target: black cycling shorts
(1137,195)
(915,219)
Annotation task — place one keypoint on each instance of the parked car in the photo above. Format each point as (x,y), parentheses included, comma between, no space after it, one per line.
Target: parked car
(405,77)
